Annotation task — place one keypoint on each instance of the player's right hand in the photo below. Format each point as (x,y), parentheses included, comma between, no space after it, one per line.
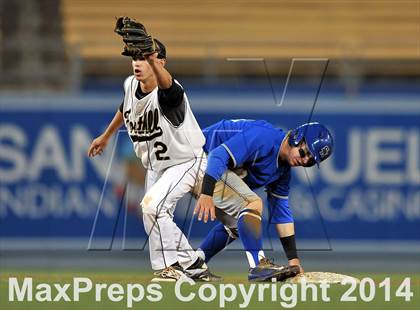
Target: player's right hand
(205,207)
(97,146)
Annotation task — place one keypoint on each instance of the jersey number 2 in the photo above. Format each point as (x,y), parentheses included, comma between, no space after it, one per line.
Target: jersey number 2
(161,148)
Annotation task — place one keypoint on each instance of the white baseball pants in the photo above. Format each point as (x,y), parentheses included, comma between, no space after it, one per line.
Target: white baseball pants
(167,243)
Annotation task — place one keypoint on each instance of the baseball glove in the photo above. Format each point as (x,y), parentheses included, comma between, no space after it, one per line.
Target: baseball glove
(137,41)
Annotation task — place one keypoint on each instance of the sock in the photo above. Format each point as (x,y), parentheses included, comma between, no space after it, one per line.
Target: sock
(215,241)
(250,232)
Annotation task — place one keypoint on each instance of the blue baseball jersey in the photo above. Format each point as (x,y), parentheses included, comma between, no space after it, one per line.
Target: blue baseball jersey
(253,145)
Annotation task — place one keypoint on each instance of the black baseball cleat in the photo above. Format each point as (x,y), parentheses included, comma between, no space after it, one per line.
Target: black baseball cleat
(205,276)
(267,270)
(199,271)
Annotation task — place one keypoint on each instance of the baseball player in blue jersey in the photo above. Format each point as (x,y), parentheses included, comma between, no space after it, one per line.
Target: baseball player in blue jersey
(244,155)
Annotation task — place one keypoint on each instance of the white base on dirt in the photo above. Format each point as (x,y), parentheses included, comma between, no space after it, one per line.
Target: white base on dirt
(320,277)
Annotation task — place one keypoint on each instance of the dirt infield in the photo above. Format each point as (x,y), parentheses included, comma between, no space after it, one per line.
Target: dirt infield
(320,277)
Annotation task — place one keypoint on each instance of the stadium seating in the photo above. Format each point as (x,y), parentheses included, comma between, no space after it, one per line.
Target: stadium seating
(197,30)
(360,29)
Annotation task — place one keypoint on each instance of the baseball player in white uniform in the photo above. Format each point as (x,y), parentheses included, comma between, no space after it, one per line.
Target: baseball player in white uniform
(169,141)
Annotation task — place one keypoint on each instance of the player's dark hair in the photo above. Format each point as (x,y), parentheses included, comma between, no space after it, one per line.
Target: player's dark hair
(161,49)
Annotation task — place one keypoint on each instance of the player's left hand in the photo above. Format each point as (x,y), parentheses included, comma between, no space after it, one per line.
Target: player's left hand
(296,262)
(204,207)
(137,40)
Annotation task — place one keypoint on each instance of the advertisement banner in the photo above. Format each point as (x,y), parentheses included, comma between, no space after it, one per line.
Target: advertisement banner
(50,188)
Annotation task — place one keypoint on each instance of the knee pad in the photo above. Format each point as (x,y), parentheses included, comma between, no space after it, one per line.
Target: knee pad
(250,212)
(255,205)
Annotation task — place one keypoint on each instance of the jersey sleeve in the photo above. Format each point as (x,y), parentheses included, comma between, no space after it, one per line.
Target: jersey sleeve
(172,96)
(171,102)
(241,147)
(278,201)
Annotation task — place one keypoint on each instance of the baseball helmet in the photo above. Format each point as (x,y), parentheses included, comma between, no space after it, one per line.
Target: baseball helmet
(317,137)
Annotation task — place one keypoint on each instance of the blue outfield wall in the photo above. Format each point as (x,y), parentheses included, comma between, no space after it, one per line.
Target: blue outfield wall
(368,190)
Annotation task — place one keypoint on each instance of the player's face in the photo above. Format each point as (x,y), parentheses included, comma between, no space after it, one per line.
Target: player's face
(300,156)
(141,70)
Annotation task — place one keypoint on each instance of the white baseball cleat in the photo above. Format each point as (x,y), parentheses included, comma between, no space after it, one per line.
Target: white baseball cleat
(169,274)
